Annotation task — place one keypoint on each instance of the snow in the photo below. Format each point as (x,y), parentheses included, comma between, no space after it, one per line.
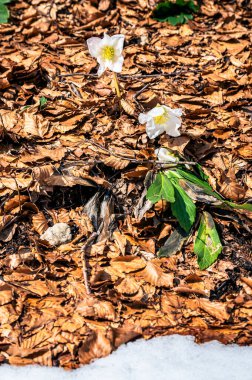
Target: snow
(167,358)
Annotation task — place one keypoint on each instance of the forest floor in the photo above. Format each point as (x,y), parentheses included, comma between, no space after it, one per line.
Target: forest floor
(70,154)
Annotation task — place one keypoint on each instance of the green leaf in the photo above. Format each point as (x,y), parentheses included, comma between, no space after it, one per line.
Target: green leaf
(161,188)
(197,181)
(4,14)
(207,245)
(244,206)
(25,108)
(194,179)
(183,208)
(199,194)
(175,12)
(42,102)
(201,173)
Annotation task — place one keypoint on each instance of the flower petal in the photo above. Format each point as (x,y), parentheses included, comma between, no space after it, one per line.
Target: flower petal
(94,44)
(165,155)
(116,66)
(172,126)
(107,40)
(156,111)
(152,130)
(101,69)
(118,41)
(142,118)
(177,112)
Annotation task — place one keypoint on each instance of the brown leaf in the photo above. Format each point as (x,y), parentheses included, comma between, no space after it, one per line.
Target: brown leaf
(39,223)
(230,188)
(215,309)
(96,346)
(115,162)
(128,107)
(128,286)
(245,151)
(155,275)
(95,308)
(14,202)
(127,264)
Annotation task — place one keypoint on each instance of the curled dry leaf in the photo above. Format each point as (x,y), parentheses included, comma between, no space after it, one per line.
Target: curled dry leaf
(127,264)
(155,275)
(215,309)
(116,162)
(39,223)
(5,294)
(97,346)
(91,307)
(15,202)
(128,107)
(128,286)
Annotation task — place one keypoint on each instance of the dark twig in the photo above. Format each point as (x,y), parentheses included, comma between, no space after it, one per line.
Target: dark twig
(155,162)
(133,76)
(84,265)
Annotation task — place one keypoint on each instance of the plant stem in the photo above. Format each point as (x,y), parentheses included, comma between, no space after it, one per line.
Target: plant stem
(116,84)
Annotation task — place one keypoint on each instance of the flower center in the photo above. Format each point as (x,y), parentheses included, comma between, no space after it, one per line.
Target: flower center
(108,53)
(162,119)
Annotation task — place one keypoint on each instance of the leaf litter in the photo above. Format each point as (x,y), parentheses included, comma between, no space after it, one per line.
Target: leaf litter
(69,154)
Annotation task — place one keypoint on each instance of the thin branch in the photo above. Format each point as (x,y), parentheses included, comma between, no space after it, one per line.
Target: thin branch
(155,162)
(133,76)
(84,264)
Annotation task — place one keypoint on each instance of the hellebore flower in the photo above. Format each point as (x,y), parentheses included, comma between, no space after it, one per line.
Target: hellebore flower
(107,51)
(164,155)
(161,119)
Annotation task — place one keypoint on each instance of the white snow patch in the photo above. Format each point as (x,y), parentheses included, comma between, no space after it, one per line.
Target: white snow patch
(58,234)
(167,358)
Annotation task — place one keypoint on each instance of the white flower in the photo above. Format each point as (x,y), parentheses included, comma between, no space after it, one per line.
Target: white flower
(161,119)
(107,51)
(164,155)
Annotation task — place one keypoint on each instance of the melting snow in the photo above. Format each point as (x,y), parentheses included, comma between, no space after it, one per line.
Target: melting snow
(166,358)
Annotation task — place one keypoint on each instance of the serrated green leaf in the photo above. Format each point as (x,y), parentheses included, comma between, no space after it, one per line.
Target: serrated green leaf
(161,188)
(5,1)
(207,244)
(42,102)
(183,208)
(4,14)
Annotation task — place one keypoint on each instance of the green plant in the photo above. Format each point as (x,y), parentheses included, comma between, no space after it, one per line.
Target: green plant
(183,189)
(178,12)
(42,102)
(4,12)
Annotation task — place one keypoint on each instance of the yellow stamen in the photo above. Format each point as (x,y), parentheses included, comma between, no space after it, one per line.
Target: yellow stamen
(108,53)
(162,119)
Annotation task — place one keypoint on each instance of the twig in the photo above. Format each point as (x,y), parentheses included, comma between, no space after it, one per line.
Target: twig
(142,161)
(84,265)
(138,93)
(132,77)
(78,74)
